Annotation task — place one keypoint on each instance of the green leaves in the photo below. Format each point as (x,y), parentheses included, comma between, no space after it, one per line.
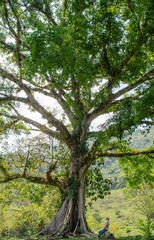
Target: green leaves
(55,50)
(97,185)
(32,204)
(138,169)
(142,199)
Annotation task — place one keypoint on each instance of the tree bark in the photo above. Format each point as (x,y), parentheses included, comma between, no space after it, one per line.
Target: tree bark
(70,219)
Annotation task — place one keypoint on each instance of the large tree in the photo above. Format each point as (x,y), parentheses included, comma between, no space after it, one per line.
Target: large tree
(71,62)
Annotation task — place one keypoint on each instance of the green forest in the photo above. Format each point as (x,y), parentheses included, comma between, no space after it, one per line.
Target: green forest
(76,119)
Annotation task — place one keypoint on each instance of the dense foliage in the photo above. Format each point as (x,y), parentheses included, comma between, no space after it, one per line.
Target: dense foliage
(26,208)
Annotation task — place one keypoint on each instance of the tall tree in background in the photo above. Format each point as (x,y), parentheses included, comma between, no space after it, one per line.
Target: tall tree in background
(72,62)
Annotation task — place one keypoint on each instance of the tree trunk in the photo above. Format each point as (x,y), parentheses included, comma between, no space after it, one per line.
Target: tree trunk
(70,219)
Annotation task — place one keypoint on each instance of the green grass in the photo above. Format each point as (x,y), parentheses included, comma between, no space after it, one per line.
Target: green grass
(77,238)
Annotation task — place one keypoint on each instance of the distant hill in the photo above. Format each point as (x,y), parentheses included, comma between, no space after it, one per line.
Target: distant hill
(113,170)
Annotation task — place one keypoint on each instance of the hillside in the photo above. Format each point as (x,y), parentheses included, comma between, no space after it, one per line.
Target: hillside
(112,169)
(123,217)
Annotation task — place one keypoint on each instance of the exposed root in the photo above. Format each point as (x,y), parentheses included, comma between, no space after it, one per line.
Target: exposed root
(88,235)
(58,225)
(70,219)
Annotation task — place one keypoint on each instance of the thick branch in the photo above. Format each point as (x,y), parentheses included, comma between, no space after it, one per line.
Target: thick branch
(60,99)
(39,180)
(7,46)
(106,60)
(93,154)
(53,94)
(111,98)
(59,95)
(146,77)
(40,126)
(49,180)
(6,14)
(54,181)
(150,123)
(13,98)
(35,104)
(123,154)
(76,91)
(34,179)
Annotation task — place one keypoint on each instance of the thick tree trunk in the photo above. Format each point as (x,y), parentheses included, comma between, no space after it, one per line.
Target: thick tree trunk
(70,219)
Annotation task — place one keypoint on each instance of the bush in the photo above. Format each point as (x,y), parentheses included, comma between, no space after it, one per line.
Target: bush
(146,228)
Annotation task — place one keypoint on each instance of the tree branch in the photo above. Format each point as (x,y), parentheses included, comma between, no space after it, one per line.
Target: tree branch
(150,123)
(146,77)
(127,153)
(76,91)
(46,11)
(49,180)
(40,126)
(35,104)
(59,95)
(53,179)
(13,98)
(111,98)
(60,99)
(33,179)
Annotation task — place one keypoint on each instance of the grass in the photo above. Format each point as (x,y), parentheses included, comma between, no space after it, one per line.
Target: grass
(77,238)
